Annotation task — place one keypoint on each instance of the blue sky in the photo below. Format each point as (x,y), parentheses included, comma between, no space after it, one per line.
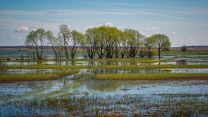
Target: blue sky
(184,21)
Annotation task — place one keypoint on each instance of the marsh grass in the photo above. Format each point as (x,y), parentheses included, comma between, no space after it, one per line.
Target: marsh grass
(184,76)
(125,105)
(33,77)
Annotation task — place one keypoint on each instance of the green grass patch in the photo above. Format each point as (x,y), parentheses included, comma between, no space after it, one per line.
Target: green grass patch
(33,77)
(149,66)
(195,76)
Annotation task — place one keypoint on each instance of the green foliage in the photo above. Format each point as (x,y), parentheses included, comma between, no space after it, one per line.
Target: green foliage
(134,39)
(103,41)
(76,38)
(90,42)
(36,40)
(163,42)
(64,35)
(56,44)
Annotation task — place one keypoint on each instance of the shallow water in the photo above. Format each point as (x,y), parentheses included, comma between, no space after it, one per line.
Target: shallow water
(113,71)
(107,96)
(83,84)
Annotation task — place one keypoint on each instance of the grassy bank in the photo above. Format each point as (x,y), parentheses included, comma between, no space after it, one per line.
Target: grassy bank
(33,77)
(195,76)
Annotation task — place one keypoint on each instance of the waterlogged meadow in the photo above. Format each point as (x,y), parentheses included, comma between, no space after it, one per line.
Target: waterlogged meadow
(174,86)
(81,95)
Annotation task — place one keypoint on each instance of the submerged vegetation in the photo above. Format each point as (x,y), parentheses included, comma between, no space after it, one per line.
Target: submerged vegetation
(126,105)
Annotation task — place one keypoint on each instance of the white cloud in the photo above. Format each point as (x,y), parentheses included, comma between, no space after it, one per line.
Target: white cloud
(173,33)
(152,29)
(188,37)
(107,24)
(21,29)
(122,27)
(16,37)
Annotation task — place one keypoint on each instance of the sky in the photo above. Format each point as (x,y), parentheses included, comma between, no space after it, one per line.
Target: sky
(183,21)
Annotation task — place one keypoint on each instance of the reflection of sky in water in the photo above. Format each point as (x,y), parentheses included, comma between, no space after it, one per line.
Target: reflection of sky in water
(119,71)
(42,89)
(189,61)
(144,91)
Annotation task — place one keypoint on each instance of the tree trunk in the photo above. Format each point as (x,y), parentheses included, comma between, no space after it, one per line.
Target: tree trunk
(159,49)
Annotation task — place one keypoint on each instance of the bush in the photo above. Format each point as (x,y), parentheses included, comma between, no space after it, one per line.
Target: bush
(183,48)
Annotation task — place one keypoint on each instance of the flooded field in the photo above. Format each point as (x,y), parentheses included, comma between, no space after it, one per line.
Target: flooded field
(80,94)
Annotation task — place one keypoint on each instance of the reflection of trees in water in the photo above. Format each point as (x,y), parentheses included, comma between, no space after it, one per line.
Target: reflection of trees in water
(73,63)
(103,85)
(123,71)
(111,85)
(91,63)
(35,85)
(58,63)
(40,62)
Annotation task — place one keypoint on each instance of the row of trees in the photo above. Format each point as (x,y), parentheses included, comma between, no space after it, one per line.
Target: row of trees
(103,42)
